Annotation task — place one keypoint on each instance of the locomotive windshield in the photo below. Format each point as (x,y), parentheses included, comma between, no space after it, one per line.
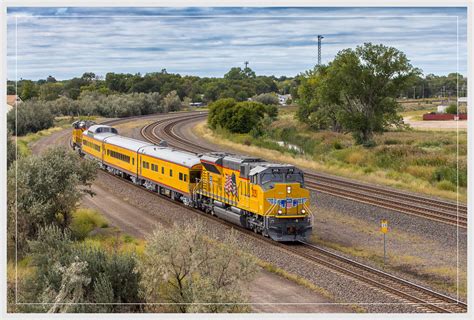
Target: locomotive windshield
(269,177)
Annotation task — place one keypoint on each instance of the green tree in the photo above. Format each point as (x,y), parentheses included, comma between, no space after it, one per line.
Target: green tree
(50,91)
(267,98)
(183,267)
(172,102)
(28,90)
(361,86)
(30,116)
(45,190)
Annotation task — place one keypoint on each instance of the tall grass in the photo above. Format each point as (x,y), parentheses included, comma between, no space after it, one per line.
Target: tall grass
(420,161)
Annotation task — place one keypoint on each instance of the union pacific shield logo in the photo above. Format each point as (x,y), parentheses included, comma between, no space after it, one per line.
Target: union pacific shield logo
(288,202)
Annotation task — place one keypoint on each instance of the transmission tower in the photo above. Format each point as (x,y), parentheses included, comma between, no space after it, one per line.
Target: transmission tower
(320,37)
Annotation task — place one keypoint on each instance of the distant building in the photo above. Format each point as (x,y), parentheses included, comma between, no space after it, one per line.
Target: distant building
(283,98)
(12,100)
(442,108)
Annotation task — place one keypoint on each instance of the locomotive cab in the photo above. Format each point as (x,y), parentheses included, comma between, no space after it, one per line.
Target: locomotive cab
(285,201)
(78,127)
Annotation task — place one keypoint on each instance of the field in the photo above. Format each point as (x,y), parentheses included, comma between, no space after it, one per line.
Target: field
(430,162)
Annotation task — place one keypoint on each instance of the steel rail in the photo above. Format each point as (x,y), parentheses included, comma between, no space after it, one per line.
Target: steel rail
(421,297)
(433,209)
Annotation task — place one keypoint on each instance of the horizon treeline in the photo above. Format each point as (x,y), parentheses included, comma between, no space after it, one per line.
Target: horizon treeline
(238,83)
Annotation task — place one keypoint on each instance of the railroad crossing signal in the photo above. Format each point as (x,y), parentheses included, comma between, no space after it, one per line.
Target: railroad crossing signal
(384,226)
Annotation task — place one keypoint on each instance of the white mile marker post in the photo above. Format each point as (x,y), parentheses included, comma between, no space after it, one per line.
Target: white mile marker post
(384,229)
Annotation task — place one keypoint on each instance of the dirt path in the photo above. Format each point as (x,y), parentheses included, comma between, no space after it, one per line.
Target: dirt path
(269,292)
(450,125)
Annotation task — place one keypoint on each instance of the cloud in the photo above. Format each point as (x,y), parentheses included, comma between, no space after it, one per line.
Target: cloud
(66,42)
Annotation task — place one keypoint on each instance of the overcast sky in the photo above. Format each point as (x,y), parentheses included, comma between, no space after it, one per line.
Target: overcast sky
(66,42)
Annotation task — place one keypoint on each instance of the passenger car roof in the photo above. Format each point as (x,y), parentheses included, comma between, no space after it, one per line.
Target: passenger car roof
(168,154)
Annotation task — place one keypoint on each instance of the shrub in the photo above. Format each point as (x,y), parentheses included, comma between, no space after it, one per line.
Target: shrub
(237,117)
(452,109)
(446,185)
(30,116)
(69,273)
(337,145)
(451,174)
(44,190)
(267,99)
(84,221)
(181,266)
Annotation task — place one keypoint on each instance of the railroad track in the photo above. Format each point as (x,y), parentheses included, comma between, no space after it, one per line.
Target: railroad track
(434,209)
(423,298)
(404,291)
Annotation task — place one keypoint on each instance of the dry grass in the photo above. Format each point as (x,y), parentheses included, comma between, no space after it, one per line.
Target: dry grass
(25,141)
(407,253)
(400,148)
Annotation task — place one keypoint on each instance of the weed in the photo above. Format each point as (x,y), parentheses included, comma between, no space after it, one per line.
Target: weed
(446,185)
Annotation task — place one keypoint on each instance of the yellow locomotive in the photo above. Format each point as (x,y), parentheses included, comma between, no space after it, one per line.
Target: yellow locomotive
(265,197)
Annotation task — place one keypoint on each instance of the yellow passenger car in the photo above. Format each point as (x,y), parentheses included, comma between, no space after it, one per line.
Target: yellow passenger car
(173,169)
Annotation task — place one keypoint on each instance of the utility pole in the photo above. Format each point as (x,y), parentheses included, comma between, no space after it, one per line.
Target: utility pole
(320,37)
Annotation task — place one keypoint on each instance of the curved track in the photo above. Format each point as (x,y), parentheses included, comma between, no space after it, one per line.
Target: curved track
(424,299)
(434,209)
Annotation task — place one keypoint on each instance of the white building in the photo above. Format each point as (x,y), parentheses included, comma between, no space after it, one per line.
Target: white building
(283,98)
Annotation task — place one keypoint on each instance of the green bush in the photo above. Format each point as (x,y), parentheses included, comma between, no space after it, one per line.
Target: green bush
(446,185)
(106,277)
(237,117)
(452,109)
(337,145)
(84,221)
(31,116)
(45,190)
(450,174)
